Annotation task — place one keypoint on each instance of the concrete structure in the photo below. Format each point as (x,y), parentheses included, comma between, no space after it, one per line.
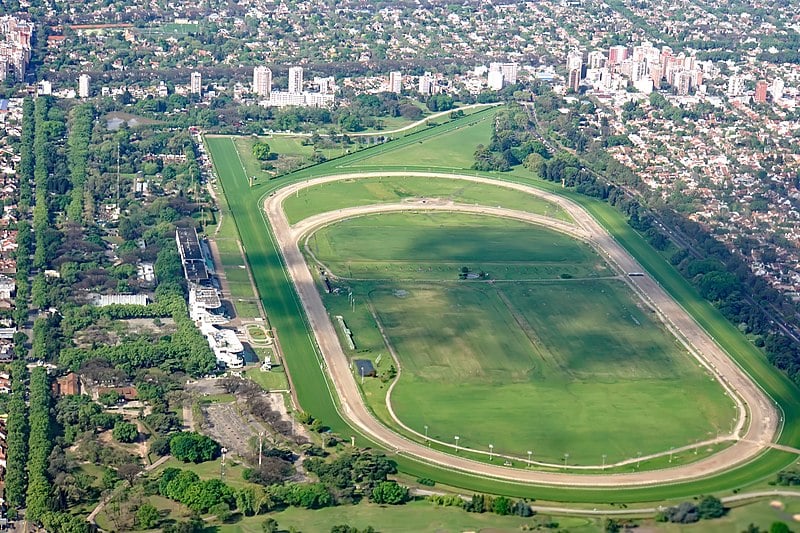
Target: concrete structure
(194,264)
(295,80)
(777,88)
(205,305)
(262,81)
(575,61)
(395,82)
(326,85)
(120,299)
(83,85)
(574,79)
(196,83)
(596,59)
(509,71)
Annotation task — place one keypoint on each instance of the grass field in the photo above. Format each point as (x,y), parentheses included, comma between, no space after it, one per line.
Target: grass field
(565,364)
(453,148)
(436,246)
(349,193)
(312,388)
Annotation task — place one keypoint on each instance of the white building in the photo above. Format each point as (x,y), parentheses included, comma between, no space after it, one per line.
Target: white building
(426,84)
(295,80)
(226,346)
(575,60)
(196,83)
(44,87)
(395,82)
(777,88)
(262,81)
(83,85)
(509,71)
(495,80)
(596,59)
(735,86)
(326,85)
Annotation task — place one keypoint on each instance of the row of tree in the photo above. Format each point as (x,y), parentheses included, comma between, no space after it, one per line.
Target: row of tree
(17,439)
(39,446)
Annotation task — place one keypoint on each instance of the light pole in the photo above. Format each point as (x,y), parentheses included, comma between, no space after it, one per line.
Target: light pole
(566,456)
(670,453)
(696,445)
(261,444)
(638,458)
(491,449)
(529,458)
(457,437)
(604,461)
(426,432)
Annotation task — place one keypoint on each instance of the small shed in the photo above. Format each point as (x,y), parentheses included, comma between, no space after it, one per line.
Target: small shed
(364,368)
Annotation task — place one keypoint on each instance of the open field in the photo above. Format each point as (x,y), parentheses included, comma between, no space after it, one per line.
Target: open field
(437,245)
(568,363)
(281,300)
(349,193)
(453,148)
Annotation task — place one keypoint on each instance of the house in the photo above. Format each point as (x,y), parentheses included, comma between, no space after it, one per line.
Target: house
(69,385)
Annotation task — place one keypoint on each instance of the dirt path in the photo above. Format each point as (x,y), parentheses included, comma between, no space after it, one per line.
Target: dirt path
(764,418)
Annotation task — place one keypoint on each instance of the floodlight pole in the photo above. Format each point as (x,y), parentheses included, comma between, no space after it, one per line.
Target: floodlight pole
(491,449)
(566,456)
(604,461)
(638,458)
(457,437)
(529,458)
(670,453)
(426,432)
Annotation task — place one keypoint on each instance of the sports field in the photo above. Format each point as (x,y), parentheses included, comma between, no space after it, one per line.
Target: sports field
(349,193)
(543,363)
(309,382)
(426,246)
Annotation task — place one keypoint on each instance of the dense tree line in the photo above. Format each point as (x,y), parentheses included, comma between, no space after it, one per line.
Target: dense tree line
(17,439)
(482,503)
(707,508)
(39,446)
(355,475)
(80,133)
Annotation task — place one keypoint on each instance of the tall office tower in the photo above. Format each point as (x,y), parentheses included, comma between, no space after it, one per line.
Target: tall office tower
(262,81)
(761,92)
(395,82)
(196,84)
(83,85)
(295,80)
(617,54)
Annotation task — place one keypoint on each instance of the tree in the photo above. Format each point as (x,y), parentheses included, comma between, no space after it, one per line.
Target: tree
(710,507)
(129,471)
(270,525)
(261,151)
(147,516)
(125,432)
(502,506)
(193,447)
(389,492)
(779,527)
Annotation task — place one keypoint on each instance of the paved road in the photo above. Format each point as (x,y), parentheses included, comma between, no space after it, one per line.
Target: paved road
(750,399)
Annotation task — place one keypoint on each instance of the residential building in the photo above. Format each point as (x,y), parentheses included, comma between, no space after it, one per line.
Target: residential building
(196,83)
(295,80)
(426,84)
(575,61)
(735,86)
(777,88)
(395,82)
(574,79)
(596,59)
(760,95)
(495,80)
(617,54)
(83,85)
(262,81)
(509,71)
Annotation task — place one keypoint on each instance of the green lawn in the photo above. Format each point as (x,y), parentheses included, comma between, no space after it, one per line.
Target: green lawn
(311,385)
(568,363)
(415,516)
(453,147)
(349,193)
(429,245)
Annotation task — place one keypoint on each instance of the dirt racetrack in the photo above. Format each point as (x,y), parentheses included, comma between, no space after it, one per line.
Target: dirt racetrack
(753,404)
